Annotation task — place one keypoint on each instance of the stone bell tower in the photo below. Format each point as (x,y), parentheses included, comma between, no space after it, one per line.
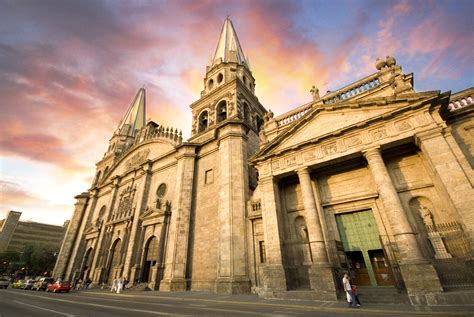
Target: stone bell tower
(227,118)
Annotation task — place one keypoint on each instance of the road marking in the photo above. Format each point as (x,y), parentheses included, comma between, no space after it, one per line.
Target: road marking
(232,311)
(39,307)
(99,305)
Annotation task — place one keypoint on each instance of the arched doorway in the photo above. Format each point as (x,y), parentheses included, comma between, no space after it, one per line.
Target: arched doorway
(114,260)
(86,263)
(150,257)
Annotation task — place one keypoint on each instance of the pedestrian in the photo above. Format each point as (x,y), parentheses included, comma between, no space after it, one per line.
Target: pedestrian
(88,282)
(79,284)
(114,285)
(125,282)
(354,292)
(119,285)
(348,290)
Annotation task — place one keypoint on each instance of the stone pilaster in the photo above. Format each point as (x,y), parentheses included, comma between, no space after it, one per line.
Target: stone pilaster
(72,234)
(232,270)
(131,252)
(274,277)
(320,273)
(418,274)
(101,249)
(174,278)
(449,172)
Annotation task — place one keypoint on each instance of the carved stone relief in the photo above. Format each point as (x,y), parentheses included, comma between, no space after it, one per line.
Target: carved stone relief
(379,133)
(353,141)
(137,159)
(403,125)
(329,149)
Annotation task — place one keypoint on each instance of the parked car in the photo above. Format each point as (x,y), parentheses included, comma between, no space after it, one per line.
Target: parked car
(59,286)
(28,284)
(42,283)
(4,282)
(18,284)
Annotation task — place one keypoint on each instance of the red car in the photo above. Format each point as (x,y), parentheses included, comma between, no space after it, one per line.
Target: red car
(59,286)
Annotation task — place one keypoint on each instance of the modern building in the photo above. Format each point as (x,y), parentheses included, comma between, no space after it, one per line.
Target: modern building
(373,178)
(15,234)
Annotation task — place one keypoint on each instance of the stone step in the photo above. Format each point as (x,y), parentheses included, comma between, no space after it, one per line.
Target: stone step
(382,294)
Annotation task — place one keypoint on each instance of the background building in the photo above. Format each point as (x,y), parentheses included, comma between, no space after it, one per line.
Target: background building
(373,178)
(15,234)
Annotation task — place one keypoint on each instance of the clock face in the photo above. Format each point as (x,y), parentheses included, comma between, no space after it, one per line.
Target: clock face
(161,191)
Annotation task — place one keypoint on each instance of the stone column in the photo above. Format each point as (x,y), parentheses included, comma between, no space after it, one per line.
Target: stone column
(78,249)
(274,277)
(72,234)
(232,268)
(142,199)
(174,278)
(101,246)
(448,170)
(418,274)
(320,273)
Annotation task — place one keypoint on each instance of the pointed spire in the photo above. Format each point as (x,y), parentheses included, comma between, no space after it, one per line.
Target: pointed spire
(228,48)
(134,119)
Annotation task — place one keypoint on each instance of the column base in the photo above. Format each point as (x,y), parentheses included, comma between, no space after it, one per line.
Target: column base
(173,285)
(274,278)
(420,278)
(321,278)
(229,285)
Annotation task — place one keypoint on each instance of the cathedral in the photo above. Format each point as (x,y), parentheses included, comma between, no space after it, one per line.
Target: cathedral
(374,179)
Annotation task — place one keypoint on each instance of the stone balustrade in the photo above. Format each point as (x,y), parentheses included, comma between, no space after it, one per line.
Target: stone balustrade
(292,116)
(152,133)
(352,90)
(460,103)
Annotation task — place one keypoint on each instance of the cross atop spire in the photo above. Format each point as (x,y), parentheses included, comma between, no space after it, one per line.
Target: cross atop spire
(228,48)
(134,119)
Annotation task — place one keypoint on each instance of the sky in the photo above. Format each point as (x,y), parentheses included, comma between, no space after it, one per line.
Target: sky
(70,69)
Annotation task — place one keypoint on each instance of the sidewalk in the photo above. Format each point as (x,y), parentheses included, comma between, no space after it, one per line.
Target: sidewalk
(251,299)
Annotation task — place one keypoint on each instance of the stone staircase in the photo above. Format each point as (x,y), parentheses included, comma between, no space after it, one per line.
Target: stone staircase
(382,295)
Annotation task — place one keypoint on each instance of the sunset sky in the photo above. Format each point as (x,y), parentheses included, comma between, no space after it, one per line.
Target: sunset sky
(69,69)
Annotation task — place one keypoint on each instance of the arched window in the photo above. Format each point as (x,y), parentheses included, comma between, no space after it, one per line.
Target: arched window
(220,77)
(97,178)
(100,216)
(210,84)
(246,113)
(221,111)
(106,171)
(203,121)
(258,123)
(160,193)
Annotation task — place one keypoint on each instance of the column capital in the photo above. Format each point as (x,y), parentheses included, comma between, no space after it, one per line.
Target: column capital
(267,179)
(303,171)
(427,134)
(372,151)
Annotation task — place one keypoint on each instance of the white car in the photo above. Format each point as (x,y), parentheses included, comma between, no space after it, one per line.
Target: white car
(4,282)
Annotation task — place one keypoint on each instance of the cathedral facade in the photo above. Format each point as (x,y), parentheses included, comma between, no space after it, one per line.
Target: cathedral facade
(374,179)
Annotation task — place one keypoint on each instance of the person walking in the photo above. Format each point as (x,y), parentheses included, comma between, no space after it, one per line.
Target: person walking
(119,285)
(114,285)
(354,292)
(348,290)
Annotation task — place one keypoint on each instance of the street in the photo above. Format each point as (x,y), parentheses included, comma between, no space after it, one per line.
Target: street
(21,303)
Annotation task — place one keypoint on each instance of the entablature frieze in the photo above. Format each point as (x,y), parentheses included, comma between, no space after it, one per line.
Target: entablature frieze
(338,144)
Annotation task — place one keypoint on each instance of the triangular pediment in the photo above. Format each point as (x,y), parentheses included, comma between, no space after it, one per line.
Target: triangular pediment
(323,121)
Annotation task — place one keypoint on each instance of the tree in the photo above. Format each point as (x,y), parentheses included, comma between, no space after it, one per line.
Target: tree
(7,260)
(39,258)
